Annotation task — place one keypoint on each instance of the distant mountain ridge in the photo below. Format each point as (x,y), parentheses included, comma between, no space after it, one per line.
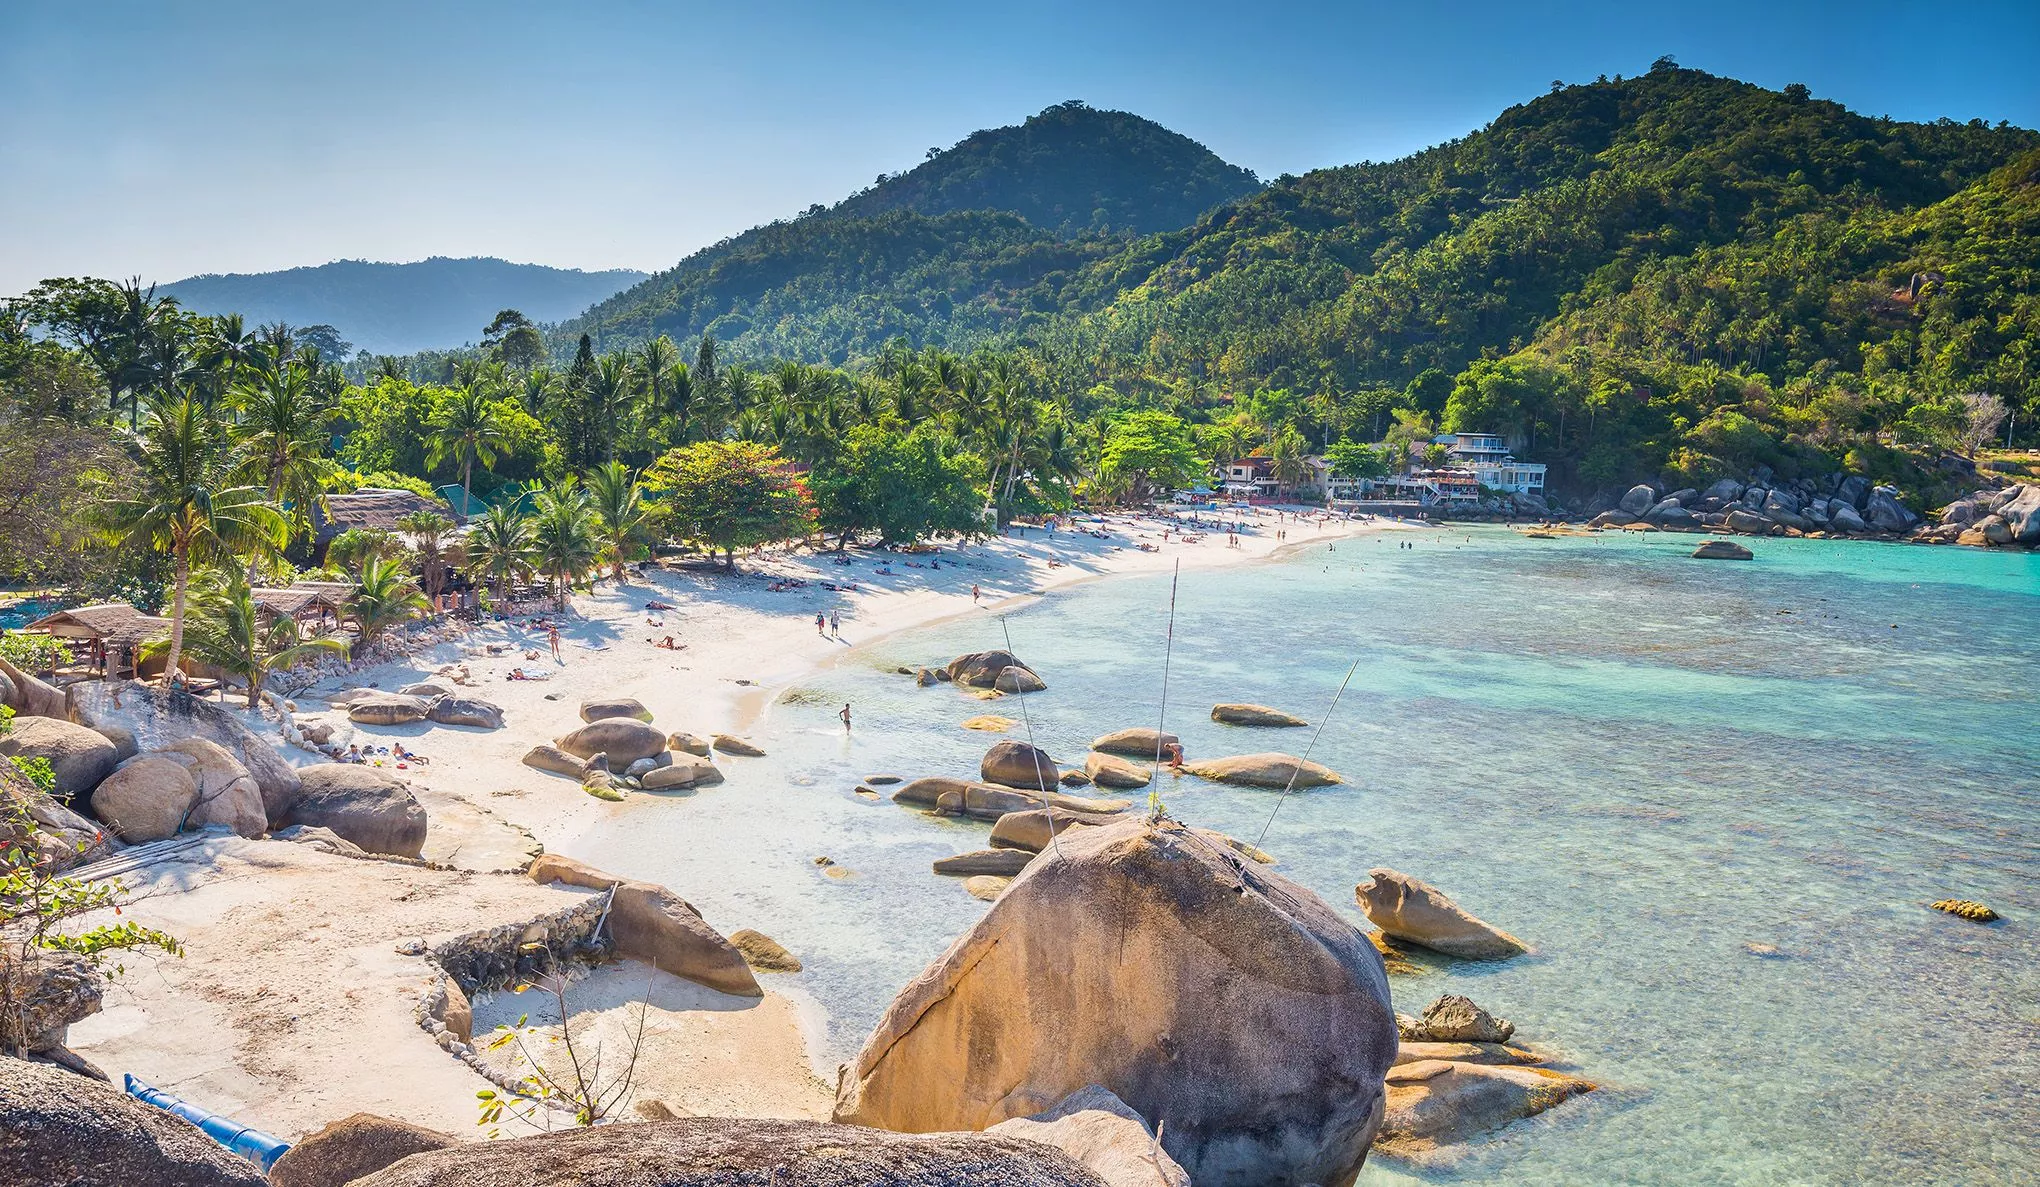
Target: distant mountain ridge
(951,243)
(386,308)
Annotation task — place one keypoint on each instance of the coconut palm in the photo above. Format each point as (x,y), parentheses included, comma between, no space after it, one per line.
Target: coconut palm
(1289,465)
(226,631)
(620,513)
(608,391)
(184,502)
(284,425)
(564,539)
(499,547)
(384,595)
(431,536)
(355,547)
(469,428)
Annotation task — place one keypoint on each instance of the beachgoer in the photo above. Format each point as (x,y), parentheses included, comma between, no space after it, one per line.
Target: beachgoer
(552,636)
(844,716)
(836,623)
(353,754)
(1172,754)
(667,643)
(821,624)
(975,594)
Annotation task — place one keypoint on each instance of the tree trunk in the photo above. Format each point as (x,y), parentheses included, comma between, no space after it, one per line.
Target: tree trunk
(182,558)
(467,470)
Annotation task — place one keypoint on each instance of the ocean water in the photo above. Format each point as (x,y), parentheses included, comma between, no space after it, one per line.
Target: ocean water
(1638,762)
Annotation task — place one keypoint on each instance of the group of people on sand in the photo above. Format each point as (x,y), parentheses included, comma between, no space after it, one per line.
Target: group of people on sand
(374,755)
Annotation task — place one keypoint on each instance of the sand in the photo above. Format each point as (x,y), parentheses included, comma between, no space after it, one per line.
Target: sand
(293,1008)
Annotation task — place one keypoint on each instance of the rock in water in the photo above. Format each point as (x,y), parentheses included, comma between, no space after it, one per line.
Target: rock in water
(1138,742)
(688,744)
(624,740)
(58,1127)
(1018,764)
(683,771)
(1413,910)
(79,757)
(725,1152)
(990,723)
(1969,909)
(153,718)
(1031,830)
(1454,1019)
(1263,770)
(1721,550)
(547,757)
(731,744)
(1244,714)
(145,798)
(367,806)
(1097,1129)
(1108,770)
(764,953)
(652,924)
(1018,680)
(986,886)
(1004,863)
(1433,1103)
(600,710)
(981,669)
(352,1147)
(1142,959)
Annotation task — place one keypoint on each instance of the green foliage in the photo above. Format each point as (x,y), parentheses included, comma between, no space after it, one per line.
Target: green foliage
(1151,451)
(30,653)
(36,770)
(565,537)
(384,596)
(903,485)
(1350,460)
(729,495)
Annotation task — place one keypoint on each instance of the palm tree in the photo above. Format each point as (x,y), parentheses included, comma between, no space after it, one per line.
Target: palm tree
(608,389)
(655,361)
(468,427)
(226,631)
(620,513)
(285,429)
(430,536)
(1290,467)
(233,347)
(384,595)
(355,547)
(563,537)
(184,504)
(499,547)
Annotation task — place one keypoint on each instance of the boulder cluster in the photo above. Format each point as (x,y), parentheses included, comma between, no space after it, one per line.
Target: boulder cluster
(136,763)
(618,750)
(1844,505)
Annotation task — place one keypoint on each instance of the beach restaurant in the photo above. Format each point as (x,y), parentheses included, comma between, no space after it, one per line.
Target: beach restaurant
(105,639)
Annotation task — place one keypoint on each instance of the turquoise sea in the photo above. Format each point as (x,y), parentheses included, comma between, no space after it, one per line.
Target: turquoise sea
(1641,763)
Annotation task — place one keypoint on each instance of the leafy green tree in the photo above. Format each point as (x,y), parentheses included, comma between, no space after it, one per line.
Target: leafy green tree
(351,550)
(285,430)
(467,426)
(903,485)
(226,631)
(514,340)
(1350,460)
(183,502)
(730,495)
(1152,451)
(565,540)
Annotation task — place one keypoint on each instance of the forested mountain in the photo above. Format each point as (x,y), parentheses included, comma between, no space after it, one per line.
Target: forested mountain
(401,308)
(977,239)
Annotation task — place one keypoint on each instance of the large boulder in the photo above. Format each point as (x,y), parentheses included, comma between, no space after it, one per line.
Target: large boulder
(728,1152)
(154,718)
(608,707)
(1410,909)
(1885,513)
(547,757)
(367,806)
(741,747)
(29,695)
(1435,1103)
(1723,492)
(1019,764)
(1107,770)
(50,990)
(145,799)
(2022,515)
(1749,523)
(980,669)
(1637,499)
(1263,770)
(470,711)
(1853,490)
(387,708)
(60,1128)
(79,757)
(1244,714)
(1721,550)
(624,740)
(1144,959)
(652,924)
(1842,517)
(682,770)
(351,1148)
(1035,830)
(1137,742)
(227,794)
(1017,679)
(1097,1129)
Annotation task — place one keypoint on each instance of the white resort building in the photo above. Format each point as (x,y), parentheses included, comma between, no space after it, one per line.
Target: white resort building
(1487,455)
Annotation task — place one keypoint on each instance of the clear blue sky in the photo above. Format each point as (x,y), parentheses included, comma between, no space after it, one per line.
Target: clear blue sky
(179,137)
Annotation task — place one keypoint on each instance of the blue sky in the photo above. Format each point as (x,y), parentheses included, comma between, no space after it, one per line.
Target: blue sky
(179,137)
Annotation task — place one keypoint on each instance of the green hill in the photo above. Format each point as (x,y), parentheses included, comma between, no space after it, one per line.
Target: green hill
(401,308)
(977,240)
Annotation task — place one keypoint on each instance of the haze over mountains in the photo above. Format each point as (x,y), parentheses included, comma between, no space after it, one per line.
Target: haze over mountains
(401,308)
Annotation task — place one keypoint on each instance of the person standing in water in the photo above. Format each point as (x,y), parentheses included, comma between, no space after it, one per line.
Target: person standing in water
(845,717)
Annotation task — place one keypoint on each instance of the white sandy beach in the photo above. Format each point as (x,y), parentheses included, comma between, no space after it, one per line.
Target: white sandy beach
(349,1043)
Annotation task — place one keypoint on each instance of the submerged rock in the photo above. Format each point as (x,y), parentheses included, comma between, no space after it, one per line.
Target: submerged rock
(764,953)
(1969,909)
(1454,1019)
(1263,770)
(1137,742)
(1412,910)
(1432,1103)
(986,886)
(1244,714)
(1223,984)
(1722,550)
(990,723)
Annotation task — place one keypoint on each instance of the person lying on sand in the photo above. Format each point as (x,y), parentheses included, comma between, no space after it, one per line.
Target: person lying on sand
(667,644)
(409,755)
(657,605)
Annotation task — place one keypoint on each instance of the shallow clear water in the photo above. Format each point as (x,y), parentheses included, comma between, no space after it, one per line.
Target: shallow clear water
(1638,762)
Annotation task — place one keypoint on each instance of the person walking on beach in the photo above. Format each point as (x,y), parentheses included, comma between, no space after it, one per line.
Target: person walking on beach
(974,594)
(821,624)
(845,716)
(552,636)
(836,624)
